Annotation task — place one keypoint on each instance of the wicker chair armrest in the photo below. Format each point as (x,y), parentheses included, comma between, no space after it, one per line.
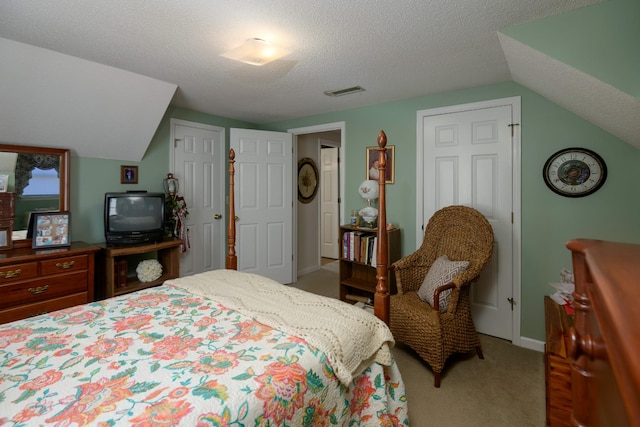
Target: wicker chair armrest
(436,295)
(409,278)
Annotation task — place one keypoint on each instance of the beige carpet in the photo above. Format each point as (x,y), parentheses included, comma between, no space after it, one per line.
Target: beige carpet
(504,389)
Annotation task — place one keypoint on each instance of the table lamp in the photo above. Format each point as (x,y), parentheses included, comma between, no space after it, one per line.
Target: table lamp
(368,190)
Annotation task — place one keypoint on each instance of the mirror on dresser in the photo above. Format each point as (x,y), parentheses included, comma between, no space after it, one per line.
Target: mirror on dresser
(23,166)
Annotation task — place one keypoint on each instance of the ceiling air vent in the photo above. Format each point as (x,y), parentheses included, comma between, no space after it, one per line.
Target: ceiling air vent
(347,91)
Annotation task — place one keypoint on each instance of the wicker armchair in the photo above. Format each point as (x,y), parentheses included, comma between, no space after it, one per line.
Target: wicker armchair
(463,234)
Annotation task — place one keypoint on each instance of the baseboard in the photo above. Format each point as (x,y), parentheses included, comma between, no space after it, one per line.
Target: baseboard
(532,344)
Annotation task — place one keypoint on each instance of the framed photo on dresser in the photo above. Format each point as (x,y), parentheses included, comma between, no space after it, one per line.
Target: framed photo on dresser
(51,229)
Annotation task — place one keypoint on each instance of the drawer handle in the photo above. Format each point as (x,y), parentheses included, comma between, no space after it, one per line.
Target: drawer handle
(39,290)
(65,265)
(10,274)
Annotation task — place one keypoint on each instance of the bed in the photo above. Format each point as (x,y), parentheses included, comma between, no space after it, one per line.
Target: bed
(216,348)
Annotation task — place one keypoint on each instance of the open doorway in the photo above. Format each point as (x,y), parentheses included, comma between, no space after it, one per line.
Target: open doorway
(316,223)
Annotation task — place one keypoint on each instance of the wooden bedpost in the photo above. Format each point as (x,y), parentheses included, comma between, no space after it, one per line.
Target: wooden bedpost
(232,259)
(381,297)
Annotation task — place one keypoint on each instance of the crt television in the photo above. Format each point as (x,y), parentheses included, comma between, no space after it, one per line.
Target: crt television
(133,217)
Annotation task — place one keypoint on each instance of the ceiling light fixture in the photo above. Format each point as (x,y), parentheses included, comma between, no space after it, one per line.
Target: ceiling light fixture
(256,52)
(347,91)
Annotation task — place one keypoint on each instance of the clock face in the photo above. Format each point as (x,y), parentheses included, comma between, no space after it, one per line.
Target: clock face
(574,172)
(307,180)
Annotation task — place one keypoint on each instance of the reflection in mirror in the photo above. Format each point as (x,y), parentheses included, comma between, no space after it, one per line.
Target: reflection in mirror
(39,177)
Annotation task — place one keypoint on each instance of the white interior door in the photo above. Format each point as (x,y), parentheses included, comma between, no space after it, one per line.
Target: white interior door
(329,193)
(467,160)
(264,202)
(198,161)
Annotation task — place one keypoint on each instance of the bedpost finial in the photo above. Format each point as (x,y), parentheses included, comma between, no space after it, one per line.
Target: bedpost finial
(382,139)
(232,154)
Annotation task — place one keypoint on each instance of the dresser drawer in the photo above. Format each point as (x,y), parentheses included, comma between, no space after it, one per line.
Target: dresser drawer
(30,310)
(16,272)
(42,289)
(64,265)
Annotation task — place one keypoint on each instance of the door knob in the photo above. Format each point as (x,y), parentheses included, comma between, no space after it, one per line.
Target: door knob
(237,218)
(217,216)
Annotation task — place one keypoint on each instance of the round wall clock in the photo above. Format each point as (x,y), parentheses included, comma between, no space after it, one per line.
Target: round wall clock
(307,180)
(574,172)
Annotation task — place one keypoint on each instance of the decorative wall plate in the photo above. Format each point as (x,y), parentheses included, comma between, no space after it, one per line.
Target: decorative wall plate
(574,172)
(307,180)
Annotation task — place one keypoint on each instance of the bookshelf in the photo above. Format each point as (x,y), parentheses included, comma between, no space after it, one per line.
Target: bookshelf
(357,262)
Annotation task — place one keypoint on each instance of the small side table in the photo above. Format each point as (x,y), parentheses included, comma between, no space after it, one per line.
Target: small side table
(557,365)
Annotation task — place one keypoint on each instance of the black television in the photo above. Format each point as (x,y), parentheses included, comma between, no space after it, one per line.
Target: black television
(133,217)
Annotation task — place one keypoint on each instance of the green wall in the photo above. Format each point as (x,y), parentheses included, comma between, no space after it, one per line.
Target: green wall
(548,220)
(600,40)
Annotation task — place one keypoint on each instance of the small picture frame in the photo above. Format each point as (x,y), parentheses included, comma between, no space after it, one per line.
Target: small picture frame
(51,229)
(6,227)
(372,164)
(4,182)
(128,174)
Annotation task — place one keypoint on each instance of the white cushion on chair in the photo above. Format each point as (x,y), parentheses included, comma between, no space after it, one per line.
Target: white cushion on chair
(441,272)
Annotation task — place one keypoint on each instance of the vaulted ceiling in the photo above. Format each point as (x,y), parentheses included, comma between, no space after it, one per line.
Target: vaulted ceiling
(101,74)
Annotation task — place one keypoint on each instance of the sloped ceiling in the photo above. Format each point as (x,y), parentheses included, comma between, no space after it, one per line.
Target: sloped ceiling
(600,103)
(56,100)
(98,76)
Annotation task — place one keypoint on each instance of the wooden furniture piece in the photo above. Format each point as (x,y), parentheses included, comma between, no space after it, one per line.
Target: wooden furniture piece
(437,331)
(382,279)
(557,365)
(28,157)
(39,281)
(604,343)
(111,259)
(357,276)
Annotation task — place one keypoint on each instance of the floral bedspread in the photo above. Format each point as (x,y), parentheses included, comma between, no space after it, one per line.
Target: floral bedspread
(163,356)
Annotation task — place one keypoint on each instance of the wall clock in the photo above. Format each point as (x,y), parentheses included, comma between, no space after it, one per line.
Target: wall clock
(307,180)
(574,172)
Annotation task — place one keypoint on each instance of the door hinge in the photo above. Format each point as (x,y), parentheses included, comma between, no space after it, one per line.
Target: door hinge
(512,302)
(513,125)
(175,142)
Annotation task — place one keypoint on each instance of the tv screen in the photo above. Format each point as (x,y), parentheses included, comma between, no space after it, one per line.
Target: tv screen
(135,217)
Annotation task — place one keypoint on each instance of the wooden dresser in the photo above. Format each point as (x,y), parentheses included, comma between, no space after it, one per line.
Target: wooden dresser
(33,282)
(605,341)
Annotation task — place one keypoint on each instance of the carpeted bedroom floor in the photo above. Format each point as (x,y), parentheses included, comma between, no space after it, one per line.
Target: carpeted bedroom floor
(504,389)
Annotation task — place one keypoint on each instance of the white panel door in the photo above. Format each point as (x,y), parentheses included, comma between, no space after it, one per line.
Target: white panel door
(198,161)
(264,202)
(468,161)
(329,193)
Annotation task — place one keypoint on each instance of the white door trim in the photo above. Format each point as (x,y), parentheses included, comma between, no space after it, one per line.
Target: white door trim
(341,126)
(514,102)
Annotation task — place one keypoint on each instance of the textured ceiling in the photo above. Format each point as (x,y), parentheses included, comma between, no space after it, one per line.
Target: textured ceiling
(394,49)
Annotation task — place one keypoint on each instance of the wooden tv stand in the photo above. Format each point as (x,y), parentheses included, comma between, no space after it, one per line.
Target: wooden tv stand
(108,283)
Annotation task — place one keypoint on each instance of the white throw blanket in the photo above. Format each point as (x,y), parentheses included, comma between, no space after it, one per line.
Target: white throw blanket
(350,337)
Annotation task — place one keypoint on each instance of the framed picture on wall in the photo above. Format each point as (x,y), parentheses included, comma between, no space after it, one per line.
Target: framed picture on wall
(4,182)
(372,164)
(51,230)
(128,174)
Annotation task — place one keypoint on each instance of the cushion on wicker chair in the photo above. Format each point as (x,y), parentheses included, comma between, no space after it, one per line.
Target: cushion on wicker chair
(441,272)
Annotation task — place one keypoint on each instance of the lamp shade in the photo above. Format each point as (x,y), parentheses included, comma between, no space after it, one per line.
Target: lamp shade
(368,190)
